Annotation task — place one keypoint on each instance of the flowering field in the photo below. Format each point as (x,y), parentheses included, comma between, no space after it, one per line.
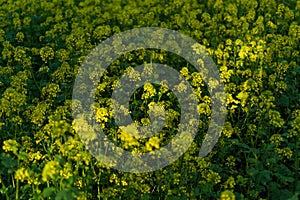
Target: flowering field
(255,45)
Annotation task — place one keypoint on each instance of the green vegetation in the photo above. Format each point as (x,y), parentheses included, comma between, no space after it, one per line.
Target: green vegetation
(255,44)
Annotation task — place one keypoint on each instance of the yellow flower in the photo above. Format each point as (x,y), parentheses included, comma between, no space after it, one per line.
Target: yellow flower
(280,86)
(181,87)
(276,139)
(10,145)
(230,183)
(153,142)
(227,195)
(243,96)
(227,129)
(66,172)
(33,180)
(102,115)
(145,121)
(197,80)
(82,196)
(253,43)
(22,174)
(20,36)
(124,183)
(133,74)
(130,129)
(285,152)
(184,71)
(35,156)
(244,52)
(228,42)
(78,183)
(50,170)
(253,57)
(149,91)
(275,118)
(114,179)
(238,42)
(199,49)
(127,139)
(230,161)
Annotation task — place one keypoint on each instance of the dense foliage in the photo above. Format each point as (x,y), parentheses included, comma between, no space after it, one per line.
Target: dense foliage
(255,44)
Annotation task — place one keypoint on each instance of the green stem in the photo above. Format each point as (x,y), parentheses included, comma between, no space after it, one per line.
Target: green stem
(17,190)
(35,81)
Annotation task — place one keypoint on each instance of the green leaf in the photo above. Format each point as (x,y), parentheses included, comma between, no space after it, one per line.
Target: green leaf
(22,156)
(65,194)
(47,192)
(284,100)
(9,162)
(295,196)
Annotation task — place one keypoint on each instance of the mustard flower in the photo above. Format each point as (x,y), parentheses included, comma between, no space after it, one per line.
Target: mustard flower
(153,142)
(285,152)
(239,42)
(196,79)
(20,36)
(181,87)
(66,172)
(230,183)
(275,118)
(10,145)
(2,35)
(227,129)
(243,96)
(230,161)
(22,174)
(130,129)
(184,71)
(47,53)
(227,195)
(102,115)
(128,139)
(276,139)
(133,74)
(149,91)
(50,170)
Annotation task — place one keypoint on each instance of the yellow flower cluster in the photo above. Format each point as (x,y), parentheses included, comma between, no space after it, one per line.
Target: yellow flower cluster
(285,152)
(227,129)
(275,118)
(244,52)
(152,143)
(133,74)
(66,172)
(230,183)
(149,91)
(276,139)
(231,161)
(227,195)
(35,156)
(10,145)
(181,87)
(128,140)
(185,71)
(157,110)
(22,174)
(50,170)
(102,116)
(295,124)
